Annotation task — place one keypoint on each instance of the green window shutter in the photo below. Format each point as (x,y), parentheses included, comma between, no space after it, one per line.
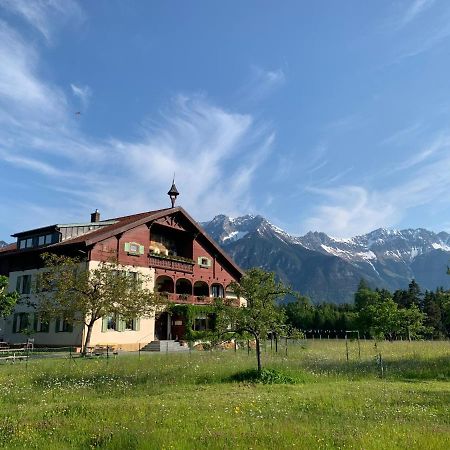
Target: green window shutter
(120,324)
(69,327)
(16,315)
(18,283)
(57,322)
(104,324)
(35,322)
(141,249)
(127,246)
(137,324)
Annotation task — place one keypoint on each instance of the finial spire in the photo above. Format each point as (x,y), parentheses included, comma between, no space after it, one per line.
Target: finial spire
(173,192)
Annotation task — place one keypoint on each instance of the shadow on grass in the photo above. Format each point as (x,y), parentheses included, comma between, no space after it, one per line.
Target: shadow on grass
(266,376)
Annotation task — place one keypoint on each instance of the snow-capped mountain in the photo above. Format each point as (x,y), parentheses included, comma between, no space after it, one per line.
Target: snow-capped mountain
(328,268)
(2,243)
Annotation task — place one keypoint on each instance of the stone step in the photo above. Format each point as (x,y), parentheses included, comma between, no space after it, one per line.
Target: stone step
(164,346)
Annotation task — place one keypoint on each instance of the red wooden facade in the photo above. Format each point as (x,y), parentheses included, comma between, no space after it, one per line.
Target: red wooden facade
(189,265)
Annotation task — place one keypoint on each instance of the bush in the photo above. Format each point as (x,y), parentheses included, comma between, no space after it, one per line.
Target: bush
(266,376)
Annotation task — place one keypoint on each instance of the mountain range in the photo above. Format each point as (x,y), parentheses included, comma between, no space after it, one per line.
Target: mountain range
(329,269)
(2,243)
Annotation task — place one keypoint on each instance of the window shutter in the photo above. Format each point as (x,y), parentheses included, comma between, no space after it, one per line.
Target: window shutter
(35,322)
(141,249)
(69,327)
(57,322)
(127,246)
(16,315)
(18,283)
(137,324)
(120,324)
(104,324)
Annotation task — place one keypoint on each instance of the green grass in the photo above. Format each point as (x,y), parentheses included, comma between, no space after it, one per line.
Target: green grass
(184,401)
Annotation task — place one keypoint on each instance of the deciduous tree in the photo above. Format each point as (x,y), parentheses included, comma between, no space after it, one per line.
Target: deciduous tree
(66,289)
(8,300)
(261,315)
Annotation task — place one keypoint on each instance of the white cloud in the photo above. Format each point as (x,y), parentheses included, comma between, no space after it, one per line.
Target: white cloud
(214,152)
(45,15)
(347,210)
(413,11)
(261,84)
(350,210)
(21,91)
(83,93)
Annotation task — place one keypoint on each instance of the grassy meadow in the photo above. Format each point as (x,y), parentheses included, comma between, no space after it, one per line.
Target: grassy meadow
(183,401)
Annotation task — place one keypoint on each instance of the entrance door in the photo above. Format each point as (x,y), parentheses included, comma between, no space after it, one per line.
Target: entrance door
(161,326)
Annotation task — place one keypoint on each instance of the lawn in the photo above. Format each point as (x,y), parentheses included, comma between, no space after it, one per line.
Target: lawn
(184,401)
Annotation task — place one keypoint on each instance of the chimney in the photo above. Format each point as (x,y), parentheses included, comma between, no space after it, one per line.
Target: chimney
(95,216)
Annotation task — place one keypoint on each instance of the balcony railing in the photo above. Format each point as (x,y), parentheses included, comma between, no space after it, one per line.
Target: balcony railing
(193,299)
(187,299)
(171,263)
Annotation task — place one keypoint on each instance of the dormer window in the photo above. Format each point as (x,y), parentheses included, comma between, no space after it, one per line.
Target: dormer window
(45,240)
(25,243)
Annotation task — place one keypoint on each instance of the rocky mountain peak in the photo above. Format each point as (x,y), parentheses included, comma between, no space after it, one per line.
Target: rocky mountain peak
(385,257)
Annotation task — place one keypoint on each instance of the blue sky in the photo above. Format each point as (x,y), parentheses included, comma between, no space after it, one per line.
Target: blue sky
(329,116)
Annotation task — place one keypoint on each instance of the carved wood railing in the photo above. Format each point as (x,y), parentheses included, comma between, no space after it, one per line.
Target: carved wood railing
(170,263)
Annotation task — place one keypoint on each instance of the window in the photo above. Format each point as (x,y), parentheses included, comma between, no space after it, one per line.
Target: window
(21,322)
(45,239)
(25,243)
(203,261)
(133,248)
(204,323)
(23,284)
(133,276)
(217,290)
(40,325)
(63,326)
(115,323)
(111,323)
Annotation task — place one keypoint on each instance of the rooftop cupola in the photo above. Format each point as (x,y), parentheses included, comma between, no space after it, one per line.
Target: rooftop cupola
(173,193)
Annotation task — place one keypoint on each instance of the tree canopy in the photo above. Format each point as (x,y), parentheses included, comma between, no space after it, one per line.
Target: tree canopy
(8,300)
(66,289)
(261,315)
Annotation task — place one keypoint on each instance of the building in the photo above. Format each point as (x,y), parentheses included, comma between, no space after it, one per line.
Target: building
(167,246)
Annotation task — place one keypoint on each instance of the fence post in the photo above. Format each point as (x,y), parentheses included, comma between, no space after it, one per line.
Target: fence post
(346,345)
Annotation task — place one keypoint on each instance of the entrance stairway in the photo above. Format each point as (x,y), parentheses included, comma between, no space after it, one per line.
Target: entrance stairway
(164,346)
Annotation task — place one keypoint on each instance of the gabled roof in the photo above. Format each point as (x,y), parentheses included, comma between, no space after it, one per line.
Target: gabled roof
(123,224)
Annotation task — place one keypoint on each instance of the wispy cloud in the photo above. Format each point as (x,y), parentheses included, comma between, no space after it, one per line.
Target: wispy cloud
(347,210)
(83,93)
(414,9)
(45,15)
(214,152)
(261,84)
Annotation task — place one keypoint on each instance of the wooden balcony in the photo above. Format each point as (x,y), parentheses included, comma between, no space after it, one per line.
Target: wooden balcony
(187,299)
(170,263)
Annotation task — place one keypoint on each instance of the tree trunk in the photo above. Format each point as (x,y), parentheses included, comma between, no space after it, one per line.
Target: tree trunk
(258,353)
(87,340)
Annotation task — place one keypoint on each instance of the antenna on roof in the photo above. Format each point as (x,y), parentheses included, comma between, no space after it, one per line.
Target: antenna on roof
(173,192)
